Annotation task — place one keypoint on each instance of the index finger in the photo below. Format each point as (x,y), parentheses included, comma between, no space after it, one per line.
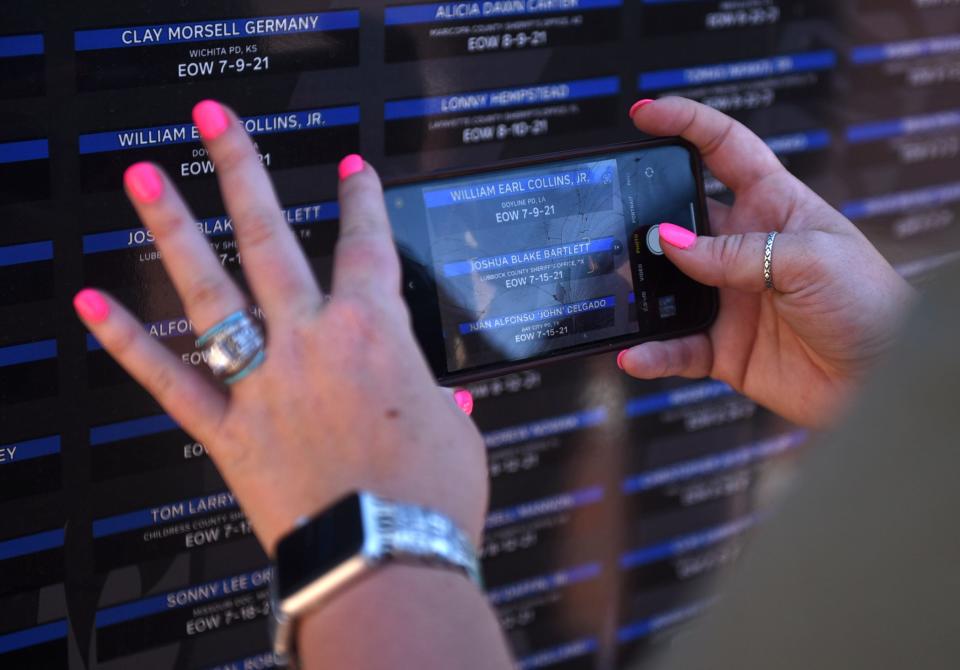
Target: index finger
(734,154)
(365,261)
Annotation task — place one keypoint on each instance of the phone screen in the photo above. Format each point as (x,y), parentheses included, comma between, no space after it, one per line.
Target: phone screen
(547,258)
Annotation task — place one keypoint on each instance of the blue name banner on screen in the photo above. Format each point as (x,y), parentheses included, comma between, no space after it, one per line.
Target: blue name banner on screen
(177,33)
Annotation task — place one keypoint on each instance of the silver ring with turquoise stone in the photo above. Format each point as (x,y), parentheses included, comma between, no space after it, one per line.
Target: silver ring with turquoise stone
(234,347)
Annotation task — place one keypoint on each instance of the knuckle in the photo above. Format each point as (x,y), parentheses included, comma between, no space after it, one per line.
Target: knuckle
(206,290)
(362,185)
(234,153)
(692,119)
(353,187)
(360,319)
(123,339)
(258,225)
(726,252)
(363,224)
(234,452)
(684,357)
(162,383)
(366,251)
(662,354)
(671,360)
(816,250)
(714,143)
(167,224)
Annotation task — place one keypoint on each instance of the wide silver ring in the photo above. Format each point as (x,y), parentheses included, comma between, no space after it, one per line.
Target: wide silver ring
(234,347)
(768,261)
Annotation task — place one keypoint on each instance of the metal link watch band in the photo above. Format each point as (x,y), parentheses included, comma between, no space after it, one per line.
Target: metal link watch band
(391,531)
(419,534)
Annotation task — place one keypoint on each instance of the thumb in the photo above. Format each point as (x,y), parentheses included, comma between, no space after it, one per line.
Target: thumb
(732,261)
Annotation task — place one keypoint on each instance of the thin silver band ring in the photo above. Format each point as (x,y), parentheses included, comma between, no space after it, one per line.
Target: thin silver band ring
(768,261)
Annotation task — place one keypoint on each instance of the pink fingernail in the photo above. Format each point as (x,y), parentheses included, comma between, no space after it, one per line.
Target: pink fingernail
(639,104)
(91,306)
(464,400)
(620,359)
(350,165)
(211,119)
(677,236)
(144,182)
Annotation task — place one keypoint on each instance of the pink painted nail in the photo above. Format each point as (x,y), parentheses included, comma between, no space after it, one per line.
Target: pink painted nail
(211,119)
(620,358)
(676,236)
(464,400)
(350,165)
(144,182)
(91,306)
(639,104)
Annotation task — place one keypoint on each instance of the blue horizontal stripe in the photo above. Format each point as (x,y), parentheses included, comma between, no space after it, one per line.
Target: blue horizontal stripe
(526,257)
(686,543)
(31,637)
(558,654)
(14,46)
(134,610)
(538,315)
(520,96)
(558,503)
(212,227)
(881,130)
(464,194)
(685,395)
(125,430)
(27,150)
(31,544)
(150,515)
(29,449)
(113,240)
(555,425)
(199,593)
(32,252)
(138,138)
(930,46)
(209,31)
(158,329)
(738,71)
(478,11)
(266,124)
(644,627)
(543,583)
(28,353)
(904,201)
(728,460)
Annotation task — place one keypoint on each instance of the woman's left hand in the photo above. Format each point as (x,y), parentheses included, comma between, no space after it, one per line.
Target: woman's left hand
(344,399)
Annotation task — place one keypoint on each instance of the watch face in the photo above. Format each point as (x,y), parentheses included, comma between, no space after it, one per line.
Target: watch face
(321,545)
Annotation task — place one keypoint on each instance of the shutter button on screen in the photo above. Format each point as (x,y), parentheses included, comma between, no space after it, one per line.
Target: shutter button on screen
(653,241)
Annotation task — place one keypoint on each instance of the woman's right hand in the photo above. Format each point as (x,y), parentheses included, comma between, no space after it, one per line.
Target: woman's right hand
(799,349)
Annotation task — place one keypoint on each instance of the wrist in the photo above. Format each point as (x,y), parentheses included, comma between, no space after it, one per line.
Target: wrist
(350,542)
(428,618)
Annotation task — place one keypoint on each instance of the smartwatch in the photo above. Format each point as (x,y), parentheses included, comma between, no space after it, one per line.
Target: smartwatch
(324,555)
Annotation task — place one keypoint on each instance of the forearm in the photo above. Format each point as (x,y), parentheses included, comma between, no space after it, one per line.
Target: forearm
(405,617)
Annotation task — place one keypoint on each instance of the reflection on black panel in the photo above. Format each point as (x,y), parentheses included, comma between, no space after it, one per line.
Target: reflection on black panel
(615,504)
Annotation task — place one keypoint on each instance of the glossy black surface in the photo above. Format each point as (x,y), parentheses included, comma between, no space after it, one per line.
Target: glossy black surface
(614,502)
